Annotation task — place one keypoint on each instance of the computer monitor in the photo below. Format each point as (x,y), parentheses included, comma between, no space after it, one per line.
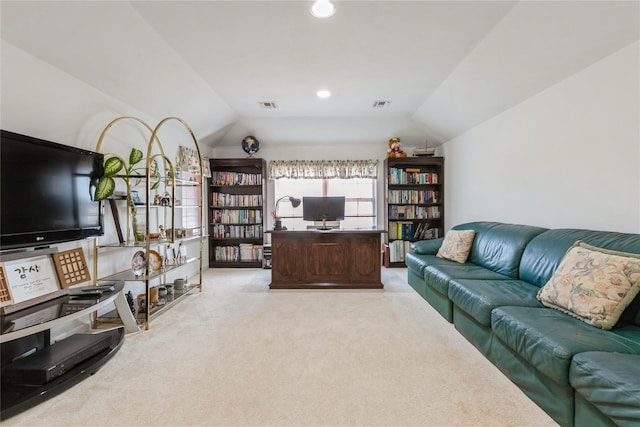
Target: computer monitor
(330,208)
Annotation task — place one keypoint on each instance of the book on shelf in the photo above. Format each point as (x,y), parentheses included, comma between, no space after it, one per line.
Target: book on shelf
(235,178)
(236,216)
(402,212)
(411,176)
(413,196)
(236,200)
(227,231)
(241,252)
(398,249)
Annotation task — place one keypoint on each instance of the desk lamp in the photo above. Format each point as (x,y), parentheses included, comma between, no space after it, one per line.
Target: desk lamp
(278,223)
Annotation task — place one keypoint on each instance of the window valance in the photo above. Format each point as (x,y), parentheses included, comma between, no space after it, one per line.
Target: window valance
(323,169)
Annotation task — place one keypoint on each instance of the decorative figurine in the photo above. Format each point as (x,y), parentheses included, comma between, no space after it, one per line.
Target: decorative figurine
(132,304)
(166,199)
(162,235)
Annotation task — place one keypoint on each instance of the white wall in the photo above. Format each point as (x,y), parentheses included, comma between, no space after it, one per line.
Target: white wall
(567,157)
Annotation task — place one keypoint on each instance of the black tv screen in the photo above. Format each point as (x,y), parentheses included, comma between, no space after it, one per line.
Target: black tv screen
(46,192)
(329,208)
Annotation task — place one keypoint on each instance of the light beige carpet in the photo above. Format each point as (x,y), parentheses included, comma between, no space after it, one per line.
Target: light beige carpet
(238,354)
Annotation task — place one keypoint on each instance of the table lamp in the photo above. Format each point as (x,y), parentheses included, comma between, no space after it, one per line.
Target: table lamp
(295,202)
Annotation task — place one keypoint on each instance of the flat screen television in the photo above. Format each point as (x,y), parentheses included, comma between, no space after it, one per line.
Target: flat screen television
(329,208)
(46,192)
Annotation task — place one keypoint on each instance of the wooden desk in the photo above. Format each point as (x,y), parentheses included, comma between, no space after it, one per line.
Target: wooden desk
(339,259)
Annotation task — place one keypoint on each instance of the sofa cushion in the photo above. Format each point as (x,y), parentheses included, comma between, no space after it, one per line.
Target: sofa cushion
(610,382)
(479,297)
(438,276)
(548,339)
(545,251)
(594,285)
(456,245)
(418,262)
(499,247)
(427,247)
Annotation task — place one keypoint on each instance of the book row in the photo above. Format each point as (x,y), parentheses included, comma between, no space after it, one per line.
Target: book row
(223,199)
(407,230)
(398,249)
(414,212)
(242,252)
(236,216)
(224,231)
(411,176)
(235,178)
(414,196)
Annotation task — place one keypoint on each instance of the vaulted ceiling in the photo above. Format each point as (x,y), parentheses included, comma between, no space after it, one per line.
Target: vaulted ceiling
(445,66)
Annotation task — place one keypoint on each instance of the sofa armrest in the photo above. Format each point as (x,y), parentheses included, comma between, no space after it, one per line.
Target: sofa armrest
(427,247)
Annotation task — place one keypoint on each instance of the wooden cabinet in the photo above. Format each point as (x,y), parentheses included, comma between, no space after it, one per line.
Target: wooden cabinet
(237,193)
(414,203)
(347,259)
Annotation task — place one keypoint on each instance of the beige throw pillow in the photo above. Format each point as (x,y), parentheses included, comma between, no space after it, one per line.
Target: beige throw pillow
(593,284)
(456,245)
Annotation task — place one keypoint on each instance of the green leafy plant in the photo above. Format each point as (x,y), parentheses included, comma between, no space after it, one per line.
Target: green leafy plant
(132,176)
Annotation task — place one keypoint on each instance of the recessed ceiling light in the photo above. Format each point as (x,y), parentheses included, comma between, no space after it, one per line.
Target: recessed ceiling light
(323,9)
(323,94)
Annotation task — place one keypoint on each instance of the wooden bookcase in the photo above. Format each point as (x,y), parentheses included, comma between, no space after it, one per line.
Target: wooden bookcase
(414,203)
(237,193)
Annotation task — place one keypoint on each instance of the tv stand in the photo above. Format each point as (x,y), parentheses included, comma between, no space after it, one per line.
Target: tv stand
(28,329)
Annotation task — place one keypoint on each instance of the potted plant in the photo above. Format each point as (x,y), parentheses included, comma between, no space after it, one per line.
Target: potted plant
(132,176)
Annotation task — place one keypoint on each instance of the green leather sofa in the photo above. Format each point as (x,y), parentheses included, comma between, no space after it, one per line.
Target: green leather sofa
(491,300)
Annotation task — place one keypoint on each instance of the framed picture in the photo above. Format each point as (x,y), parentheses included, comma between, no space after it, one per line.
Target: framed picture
(71,267)
(170,256)
(5,294)
(31,278)
(135,197)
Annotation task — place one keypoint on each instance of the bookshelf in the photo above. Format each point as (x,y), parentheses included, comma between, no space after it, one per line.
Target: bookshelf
(414,199)
(236,192)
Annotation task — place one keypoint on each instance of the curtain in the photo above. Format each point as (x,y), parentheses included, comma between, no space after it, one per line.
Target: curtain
(323,169)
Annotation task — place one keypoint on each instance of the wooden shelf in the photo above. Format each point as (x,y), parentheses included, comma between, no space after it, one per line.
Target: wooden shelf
(411,193)
(236,170)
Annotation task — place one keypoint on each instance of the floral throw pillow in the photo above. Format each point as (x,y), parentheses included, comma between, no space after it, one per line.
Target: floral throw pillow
(593,284)
(456,245)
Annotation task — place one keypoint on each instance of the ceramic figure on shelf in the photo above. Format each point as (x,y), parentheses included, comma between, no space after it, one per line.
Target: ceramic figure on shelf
(142,303)
(162,235)
(132,305)
(166,199)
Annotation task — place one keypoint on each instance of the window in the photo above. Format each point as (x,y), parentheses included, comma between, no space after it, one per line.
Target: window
(360,200)
(191,196)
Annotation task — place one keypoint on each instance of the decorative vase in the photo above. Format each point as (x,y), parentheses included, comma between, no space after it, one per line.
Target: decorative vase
(153,295)
(139,229)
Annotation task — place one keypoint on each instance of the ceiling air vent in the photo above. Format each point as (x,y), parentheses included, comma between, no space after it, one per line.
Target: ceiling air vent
(381,104)
(268,105)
